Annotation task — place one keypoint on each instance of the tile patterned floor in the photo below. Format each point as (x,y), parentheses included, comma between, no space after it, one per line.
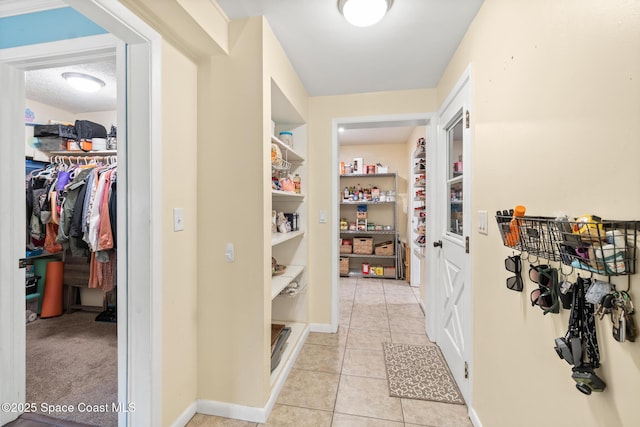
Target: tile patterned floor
(339,380)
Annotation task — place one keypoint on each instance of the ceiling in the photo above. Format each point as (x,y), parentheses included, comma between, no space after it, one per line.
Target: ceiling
(48,87)
(408,49)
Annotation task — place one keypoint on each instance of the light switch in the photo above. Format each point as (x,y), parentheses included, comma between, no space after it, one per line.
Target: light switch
(323,217)
(178,219)
(483,226)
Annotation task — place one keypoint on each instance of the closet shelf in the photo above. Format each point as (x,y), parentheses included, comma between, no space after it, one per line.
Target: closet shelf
(299,332)
(277,238)
(84,153)
(282,166)
(366,202)
(278,283)
(368,175)
(286,195)
(368,256)
(366,233)
(358,273)
(289,153)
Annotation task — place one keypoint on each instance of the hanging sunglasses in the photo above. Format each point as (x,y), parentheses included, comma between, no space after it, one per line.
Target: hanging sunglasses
(546,295)
(540,274)
(514,265)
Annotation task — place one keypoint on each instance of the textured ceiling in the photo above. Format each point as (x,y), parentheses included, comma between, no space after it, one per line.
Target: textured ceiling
(48,87)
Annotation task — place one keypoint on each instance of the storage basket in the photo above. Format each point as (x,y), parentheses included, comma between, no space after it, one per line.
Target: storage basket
(346,246)
(344,266)
(363,245)
(390,272)
(385,249)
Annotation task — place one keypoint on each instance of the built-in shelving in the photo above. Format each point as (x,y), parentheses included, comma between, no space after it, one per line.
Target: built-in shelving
(289,249)
(279,283)
(278,238)
(288,152)
(299,333)
(286,195)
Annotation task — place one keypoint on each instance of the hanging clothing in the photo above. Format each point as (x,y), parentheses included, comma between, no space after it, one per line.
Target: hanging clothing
(80,205)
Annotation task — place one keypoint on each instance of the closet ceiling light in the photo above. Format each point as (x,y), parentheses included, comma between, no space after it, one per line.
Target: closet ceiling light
(83,82)
(364,13)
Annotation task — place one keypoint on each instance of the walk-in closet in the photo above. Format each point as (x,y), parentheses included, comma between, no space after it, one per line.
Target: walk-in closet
(71,187)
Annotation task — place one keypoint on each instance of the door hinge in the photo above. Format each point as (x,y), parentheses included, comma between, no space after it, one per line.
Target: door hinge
(466,244)
(466,370)
(467,118)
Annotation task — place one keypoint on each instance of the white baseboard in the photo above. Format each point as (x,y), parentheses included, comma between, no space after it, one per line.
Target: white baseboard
(186,415)
(322,327)
(473,416)
(232,410)
(242,412)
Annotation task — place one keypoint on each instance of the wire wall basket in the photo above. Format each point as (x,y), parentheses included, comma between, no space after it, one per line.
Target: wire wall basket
(587,243)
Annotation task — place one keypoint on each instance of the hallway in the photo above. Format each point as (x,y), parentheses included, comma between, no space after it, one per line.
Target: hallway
(339,380)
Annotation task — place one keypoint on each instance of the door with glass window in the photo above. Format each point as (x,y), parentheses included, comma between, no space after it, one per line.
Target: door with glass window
(454,276)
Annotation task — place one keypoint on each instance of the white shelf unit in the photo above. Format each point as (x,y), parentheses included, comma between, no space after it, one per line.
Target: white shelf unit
(382,213)
(418,207)
(289,249)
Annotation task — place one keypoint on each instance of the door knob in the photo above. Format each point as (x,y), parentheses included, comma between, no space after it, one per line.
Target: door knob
(437,243)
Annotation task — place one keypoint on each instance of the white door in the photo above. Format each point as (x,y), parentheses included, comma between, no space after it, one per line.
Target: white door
(452,241)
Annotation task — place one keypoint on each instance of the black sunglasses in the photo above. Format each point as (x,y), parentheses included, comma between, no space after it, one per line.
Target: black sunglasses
(514,265)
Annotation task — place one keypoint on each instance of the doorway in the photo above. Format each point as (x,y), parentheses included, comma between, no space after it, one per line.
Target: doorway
(139,331)
(449,263)
(76,343)
(361,135)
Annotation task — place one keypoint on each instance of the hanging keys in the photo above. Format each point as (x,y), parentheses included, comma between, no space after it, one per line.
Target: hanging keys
(619,321)
(630,322)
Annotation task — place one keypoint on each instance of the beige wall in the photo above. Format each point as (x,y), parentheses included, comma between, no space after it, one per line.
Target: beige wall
(44,113)
(231,309)
(555,114)
(322,110)
(180,255)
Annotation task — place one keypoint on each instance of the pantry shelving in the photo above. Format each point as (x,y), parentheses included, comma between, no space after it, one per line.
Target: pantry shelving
(418,206)
(369,217)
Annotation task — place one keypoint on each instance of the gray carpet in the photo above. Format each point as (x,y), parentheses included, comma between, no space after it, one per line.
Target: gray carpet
(419,372)
(72,360)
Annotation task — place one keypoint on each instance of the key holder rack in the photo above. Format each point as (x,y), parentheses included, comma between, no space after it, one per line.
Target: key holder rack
(588,243)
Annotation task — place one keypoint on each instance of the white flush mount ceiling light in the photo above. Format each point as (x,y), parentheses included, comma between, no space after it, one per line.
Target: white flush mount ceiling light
(364,13)
(83,82)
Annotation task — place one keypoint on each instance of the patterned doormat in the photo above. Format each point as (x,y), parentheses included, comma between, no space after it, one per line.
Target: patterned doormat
(419,372)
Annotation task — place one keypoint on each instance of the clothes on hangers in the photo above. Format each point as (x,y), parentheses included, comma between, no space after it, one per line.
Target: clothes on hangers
(77,203)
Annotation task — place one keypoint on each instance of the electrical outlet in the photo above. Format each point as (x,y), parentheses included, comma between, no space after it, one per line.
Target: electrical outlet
(178,219)
(229,253)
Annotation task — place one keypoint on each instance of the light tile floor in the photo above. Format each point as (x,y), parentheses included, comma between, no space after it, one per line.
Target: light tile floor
(339,380)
